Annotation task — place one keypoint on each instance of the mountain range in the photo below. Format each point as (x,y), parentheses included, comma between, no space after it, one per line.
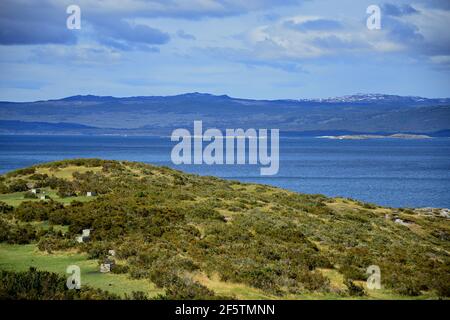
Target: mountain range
(360,113)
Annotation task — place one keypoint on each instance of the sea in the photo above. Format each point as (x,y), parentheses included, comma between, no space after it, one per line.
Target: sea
(389,172)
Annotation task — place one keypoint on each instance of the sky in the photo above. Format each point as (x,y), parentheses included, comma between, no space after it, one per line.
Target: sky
(260,49)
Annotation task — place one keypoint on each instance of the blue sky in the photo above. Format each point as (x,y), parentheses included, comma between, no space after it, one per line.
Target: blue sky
(262,49)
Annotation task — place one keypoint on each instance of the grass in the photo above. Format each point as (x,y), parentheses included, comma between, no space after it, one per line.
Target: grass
(45,225)
(66,172)
(237,290)
(21,257)
(245,292)
(16,198)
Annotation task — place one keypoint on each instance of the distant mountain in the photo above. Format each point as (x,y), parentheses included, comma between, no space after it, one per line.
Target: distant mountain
(376,98)
(361,113)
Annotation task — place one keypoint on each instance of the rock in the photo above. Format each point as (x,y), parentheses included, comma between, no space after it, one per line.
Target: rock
(105,268)
(445,213)
(400,221)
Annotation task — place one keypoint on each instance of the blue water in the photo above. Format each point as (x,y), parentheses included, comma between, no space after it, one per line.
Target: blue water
(397,173)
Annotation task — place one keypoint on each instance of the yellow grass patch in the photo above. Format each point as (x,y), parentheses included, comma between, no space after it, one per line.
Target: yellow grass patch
(238,290)
(67,172)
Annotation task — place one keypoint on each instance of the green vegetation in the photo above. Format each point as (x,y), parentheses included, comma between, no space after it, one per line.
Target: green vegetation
(43,285)
(19,258)
(192,237)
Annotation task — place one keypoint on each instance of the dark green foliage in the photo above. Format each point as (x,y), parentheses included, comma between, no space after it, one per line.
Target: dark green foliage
(66,189)
(97,249)
(22,172)
(5,208)
(18,186)
(120,268)
(42,285)
(39,177)
(37,211)
(29,195)
(90,182)
(54,242)
(354,289)
(137,295)
(3,188)
(205,212)
(178,288)
(314,281)
(405,285)
(15,233)
(441,284)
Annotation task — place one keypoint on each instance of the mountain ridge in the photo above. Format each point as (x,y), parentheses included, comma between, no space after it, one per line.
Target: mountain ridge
(364,113)
(357,97)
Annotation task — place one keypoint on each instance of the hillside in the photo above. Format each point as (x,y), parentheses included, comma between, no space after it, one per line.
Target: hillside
(372,113)
(178,235)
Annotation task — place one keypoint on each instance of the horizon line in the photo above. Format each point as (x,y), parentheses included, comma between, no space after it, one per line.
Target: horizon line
(228,96)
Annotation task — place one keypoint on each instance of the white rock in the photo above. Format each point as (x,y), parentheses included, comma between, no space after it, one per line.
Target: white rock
(105,267)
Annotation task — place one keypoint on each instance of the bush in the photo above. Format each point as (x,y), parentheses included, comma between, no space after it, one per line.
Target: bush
(3,188)
(66,189)
(43,285)
(203,212)
(18,186)
(5,208)
(54,243)
(36,211)
(39,177)
(22,172)
(354,290)
(120,268)
(407,286)
(315,281)
(442,287)
(16,233)
(29,195)
(186,289)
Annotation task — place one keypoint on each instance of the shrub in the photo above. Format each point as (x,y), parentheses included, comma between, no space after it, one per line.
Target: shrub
(16,234)
(66,189)
(119,269)
(29,195)
(186,289)
(18,186)
(39,210)
(22,172)
(354,289)
(407,286)
(314,281)
(3,188)
(5,208)
(43,285)
(53,243)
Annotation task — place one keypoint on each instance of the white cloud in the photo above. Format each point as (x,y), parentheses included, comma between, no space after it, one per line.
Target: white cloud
(89,54)
(192,9)
(281,40)
(300,37)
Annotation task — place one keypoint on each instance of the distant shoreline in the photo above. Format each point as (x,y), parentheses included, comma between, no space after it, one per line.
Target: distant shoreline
(375,136)
(285,135)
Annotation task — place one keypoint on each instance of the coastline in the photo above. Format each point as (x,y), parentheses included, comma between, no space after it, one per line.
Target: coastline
(375,136)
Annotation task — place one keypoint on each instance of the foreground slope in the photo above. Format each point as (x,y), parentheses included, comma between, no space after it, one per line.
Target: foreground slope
(203,237)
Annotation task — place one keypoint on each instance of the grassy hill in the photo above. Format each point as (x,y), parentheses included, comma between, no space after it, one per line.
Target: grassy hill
(178,235)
